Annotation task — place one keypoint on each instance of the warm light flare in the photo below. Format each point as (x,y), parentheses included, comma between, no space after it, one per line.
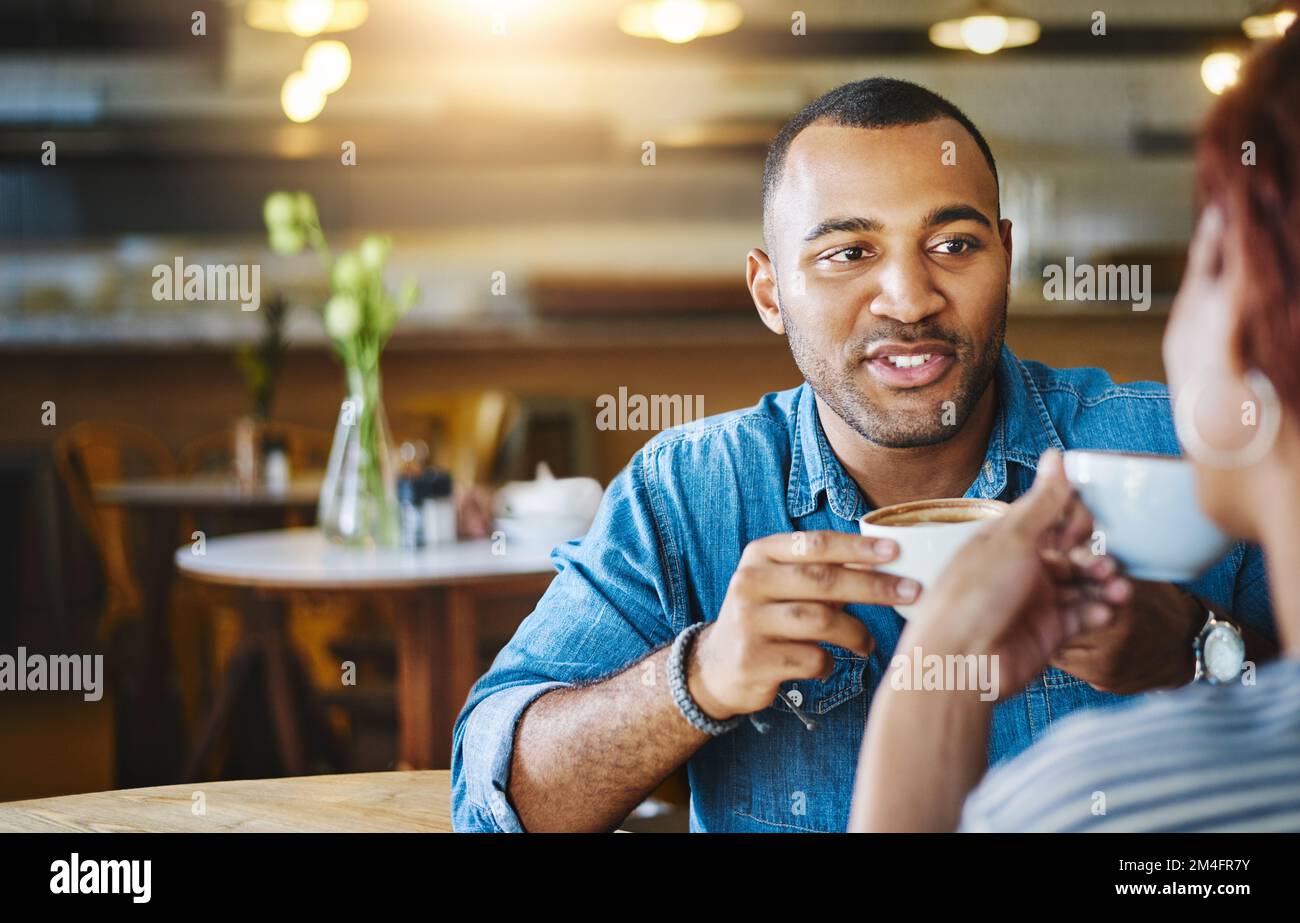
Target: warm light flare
(1269,23)
(301,98)
(984,34)
(985,31)
(328,64)
(679,21)
(306,17)
(1220,71)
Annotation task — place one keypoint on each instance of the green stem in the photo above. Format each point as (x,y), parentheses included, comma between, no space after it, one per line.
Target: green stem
(364,384)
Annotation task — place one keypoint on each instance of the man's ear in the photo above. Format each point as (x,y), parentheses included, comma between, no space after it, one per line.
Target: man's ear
(760,276)
(1004,231)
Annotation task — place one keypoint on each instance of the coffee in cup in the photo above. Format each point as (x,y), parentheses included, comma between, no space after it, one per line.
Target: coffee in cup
(928,534)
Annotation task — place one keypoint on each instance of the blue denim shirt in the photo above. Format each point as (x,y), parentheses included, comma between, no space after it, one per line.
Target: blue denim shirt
(669,535)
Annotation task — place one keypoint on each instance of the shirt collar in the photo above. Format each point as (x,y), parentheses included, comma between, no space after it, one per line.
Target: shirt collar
(1022,431)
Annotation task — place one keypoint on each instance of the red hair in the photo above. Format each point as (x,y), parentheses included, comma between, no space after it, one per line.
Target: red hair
(1261,204)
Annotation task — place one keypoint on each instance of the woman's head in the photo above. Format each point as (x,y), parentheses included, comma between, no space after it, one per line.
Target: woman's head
(1237,313)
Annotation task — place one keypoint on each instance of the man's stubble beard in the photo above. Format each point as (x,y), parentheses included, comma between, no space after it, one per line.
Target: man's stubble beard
(901,429)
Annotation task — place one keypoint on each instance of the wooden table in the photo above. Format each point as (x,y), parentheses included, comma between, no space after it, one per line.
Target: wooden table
(369,802)
(432,595)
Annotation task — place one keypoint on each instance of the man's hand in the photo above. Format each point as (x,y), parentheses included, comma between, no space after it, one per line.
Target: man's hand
(1145,644)
(787,595)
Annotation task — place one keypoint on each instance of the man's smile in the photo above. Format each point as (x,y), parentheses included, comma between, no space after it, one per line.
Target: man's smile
(906,366)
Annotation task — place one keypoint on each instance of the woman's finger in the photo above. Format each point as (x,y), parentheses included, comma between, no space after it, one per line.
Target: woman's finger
(1040,509)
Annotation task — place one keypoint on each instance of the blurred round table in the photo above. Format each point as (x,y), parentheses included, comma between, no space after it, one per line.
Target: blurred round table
(432,594)
(208,491)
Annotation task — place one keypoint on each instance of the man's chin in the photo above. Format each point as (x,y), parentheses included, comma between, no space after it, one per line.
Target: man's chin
(904,438)
(909,419)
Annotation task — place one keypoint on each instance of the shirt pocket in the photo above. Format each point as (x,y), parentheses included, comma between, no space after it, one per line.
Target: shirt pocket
(814,697)
(1055,676)
(793,779)
(1064,693)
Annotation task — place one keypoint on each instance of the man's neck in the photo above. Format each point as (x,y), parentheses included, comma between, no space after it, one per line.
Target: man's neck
(887,476)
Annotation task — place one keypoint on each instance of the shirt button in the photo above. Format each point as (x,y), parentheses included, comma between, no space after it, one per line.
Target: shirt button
(795,697)
(498,806)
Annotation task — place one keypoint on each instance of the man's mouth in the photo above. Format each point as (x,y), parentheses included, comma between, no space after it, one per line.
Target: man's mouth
(910,365)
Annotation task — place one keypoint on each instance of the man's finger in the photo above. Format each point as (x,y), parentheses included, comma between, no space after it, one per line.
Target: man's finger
(789,660)
(814,621)
(823,546)
(832,583)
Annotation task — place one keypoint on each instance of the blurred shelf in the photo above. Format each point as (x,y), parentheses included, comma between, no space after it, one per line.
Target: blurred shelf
(146,334)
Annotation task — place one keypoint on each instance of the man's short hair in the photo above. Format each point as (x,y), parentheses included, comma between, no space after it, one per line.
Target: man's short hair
(877,102)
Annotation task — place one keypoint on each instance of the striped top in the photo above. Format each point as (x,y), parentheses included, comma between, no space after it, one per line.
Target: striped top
(1201,758)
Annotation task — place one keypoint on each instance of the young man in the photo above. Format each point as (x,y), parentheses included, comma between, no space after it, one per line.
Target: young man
(724,567)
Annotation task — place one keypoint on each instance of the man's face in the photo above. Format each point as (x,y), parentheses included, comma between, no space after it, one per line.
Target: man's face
(891,269)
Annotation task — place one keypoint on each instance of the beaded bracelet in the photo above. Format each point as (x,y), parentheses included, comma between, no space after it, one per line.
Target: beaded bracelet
(686,704)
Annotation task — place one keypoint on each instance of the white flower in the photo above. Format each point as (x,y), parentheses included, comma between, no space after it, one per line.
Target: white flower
(287,240)
(349,273)
(342,317)
(279,210)
(374,251)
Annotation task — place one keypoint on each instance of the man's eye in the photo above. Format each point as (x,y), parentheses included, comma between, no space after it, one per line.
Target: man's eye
(849,254)
(955,247)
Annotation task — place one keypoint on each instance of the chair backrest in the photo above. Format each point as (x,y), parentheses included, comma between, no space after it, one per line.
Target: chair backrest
(308,448)
(90,454)
(468,430)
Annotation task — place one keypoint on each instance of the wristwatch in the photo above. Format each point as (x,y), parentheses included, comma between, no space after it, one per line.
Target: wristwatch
(1220,652)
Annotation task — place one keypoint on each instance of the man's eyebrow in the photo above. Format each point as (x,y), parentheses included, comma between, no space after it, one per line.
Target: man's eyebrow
(947,214)
(830,226)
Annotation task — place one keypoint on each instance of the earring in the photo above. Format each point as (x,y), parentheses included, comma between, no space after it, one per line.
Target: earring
(1268,424)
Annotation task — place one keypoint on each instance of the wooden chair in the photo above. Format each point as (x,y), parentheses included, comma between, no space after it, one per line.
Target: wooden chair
(90,454)
(468,430)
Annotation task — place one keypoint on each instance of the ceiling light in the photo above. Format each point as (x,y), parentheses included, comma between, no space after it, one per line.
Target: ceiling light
(1220,70)
(300,98)
(679,21)
(1271,21)
(984,30)
(306,17)
(328,63)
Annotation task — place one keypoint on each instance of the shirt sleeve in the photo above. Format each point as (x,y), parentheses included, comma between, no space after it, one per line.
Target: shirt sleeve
(613,601)
(1250,600)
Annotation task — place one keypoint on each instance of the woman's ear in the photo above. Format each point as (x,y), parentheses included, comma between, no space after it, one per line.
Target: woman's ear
(760,276)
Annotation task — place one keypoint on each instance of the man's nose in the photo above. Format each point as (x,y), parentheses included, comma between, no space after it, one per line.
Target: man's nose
(906,292)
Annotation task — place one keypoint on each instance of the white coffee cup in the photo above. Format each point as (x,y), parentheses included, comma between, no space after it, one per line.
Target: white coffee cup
(1145,512)
(928,534)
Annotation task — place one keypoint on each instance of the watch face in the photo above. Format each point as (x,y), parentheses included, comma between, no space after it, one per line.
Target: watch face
(1224,653)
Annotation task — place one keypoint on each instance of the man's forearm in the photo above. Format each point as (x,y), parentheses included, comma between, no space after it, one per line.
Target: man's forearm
(585,757)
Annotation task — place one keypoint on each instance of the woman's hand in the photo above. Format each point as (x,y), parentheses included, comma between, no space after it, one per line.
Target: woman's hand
(1023,586)
(1012,595)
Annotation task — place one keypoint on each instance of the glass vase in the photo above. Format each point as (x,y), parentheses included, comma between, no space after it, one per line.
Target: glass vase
(358,499)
